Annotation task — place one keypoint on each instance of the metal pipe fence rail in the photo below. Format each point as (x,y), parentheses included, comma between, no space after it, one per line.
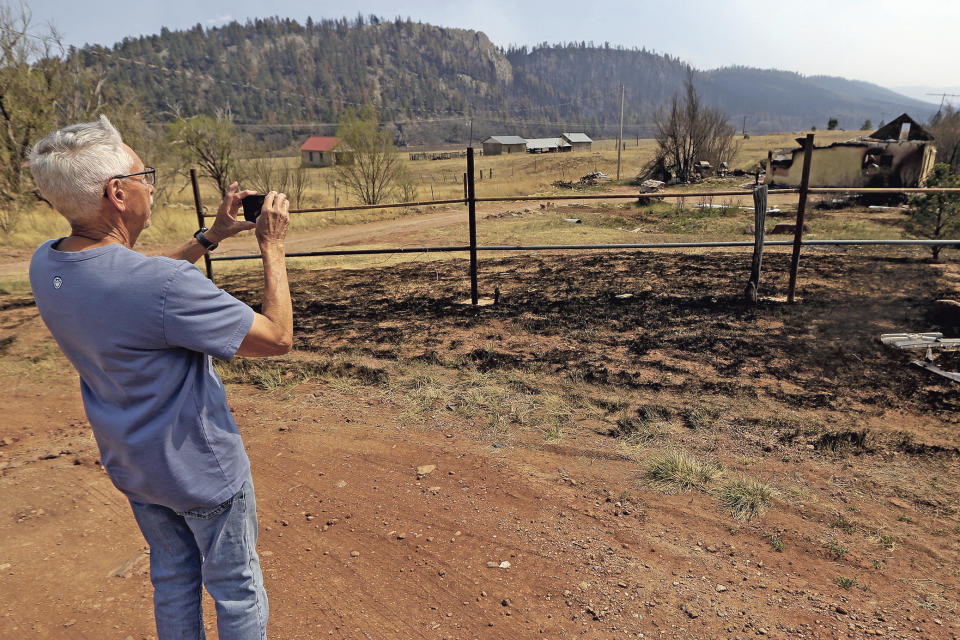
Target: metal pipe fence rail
(470,199)
(641,245)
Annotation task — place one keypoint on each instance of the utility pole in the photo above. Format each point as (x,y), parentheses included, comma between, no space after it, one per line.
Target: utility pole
(943,97)
(620,136)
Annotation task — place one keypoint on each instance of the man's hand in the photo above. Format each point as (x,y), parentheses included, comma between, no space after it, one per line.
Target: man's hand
(272,332)
(274,219)
(226,224)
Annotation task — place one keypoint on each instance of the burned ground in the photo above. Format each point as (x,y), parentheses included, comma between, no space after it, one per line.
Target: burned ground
(683,328)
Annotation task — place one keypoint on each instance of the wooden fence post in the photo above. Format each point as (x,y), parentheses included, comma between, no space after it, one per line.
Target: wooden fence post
(196,202)
(801,206)
(472,211)
(759,225)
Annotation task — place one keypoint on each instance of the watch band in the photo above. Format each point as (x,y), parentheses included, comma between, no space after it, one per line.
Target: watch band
(204,241)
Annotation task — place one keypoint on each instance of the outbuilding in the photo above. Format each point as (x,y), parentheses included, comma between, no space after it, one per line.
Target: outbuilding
(495,145)
(547,145)
(319,151)
(578,141)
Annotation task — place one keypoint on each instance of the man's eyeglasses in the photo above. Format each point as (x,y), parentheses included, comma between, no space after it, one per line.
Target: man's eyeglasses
(149,175)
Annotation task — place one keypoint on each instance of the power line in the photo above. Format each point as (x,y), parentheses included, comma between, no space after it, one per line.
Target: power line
(943,98)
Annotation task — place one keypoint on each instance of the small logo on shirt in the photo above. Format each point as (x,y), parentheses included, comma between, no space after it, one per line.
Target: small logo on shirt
(57,282)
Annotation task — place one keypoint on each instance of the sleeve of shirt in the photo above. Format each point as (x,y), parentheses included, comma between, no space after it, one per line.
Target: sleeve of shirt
(200,317)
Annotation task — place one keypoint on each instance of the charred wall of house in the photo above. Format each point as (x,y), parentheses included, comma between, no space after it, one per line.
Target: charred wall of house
(866,163)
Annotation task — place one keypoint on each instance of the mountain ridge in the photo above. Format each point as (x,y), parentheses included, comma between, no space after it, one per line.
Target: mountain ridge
(430,81)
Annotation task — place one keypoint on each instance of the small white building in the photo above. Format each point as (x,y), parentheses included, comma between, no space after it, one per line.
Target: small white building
(548,145)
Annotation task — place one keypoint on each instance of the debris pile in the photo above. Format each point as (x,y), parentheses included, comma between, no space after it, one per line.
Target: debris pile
(589,180)
(595,178)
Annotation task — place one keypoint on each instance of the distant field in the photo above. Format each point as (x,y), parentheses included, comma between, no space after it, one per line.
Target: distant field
(497,176)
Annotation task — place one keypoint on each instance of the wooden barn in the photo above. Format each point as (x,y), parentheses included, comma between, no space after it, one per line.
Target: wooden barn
(578,141)
(495,145)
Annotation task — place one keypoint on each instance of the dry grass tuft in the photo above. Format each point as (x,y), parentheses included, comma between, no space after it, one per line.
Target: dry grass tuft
(676,471)
(648,423)
(886,540)
(746,498)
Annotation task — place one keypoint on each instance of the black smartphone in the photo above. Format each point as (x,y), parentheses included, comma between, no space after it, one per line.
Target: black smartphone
(251,206)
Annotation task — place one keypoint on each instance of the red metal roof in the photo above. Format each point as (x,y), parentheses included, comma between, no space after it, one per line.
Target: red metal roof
(319,143)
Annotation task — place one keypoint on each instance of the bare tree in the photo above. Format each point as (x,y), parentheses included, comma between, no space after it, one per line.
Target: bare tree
(945,128)
(371,161)
(212,143)
(299,181)
(265,174)
(40,91)
(31,79)
(689,131)
(406,184)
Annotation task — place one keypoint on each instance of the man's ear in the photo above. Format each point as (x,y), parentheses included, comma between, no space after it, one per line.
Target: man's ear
(115,194)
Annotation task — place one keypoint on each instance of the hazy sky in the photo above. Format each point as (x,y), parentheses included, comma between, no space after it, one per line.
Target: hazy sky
(890,43)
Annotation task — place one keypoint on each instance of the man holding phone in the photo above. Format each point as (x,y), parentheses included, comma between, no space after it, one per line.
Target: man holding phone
(140,331)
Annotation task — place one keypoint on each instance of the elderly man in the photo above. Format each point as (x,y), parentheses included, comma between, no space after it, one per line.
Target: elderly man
(140,332)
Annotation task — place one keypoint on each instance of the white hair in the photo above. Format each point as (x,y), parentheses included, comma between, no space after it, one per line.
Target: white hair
(71,166)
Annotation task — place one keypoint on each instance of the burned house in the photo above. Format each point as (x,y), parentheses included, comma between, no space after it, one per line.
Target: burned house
(899,154)
(495,145)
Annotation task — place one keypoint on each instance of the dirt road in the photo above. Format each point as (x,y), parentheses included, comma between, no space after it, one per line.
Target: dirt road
(16,262)
(405,231)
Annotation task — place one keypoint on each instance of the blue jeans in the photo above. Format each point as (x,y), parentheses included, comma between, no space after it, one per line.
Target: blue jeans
(215,547)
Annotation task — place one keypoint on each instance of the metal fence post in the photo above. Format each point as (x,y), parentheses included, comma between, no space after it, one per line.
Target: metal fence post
(196,202)
(801,206)
(472,213)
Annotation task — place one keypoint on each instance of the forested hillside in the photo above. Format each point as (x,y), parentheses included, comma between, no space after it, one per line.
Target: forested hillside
(431,81)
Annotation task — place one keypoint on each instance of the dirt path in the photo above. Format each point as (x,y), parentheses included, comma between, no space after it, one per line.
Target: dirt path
(383,232)
(406,231)
(16,262)
(400,231)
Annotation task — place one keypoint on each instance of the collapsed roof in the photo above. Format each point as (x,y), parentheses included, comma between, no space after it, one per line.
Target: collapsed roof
(894,130)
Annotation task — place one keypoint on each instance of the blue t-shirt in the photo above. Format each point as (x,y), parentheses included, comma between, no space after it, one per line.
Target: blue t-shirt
(140,332)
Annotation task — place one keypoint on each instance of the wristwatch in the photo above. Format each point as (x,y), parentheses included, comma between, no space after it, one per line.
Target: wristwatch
(204,242)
